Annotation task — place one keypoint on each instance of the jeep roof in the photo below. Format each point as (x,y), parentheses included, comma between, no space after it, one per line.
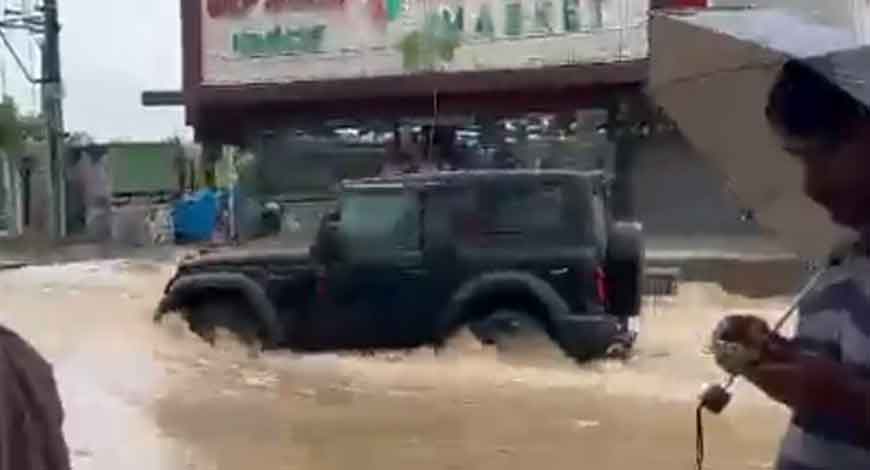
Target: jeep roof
(465,177)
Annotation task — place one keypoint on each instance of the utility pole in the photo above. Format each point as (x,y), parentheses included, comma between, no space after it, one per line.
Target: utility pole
(52,110)
(45,23)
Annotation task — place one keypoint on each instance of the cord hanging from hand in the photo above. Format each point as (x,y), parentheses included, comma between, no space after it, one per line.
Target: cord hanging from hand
(699,437)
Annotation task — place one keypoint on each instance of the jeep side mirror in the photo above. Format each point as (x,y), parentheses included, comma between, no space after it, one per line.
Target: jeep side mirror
(331,221)
(325,242)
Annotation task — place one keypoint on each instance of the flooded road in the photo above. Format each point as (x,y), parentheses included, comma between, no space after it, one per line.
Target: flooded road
(140,396)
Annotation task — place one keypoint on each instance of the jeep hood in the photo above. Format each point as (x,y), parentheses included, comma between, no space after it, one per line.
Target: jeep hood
(245,257)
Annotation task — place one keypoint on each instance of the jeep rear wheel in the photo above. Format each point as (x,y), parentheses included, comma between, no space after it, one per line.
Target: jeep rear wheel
(518,338)
(503,326)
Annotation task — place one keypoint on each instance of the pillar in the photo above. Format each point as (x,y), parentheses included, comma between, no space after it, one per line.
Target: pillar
(619,132)
(212,152)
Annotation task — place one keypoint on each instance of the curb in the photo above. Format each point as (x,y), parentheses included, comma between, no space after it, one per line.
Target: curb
(10,265)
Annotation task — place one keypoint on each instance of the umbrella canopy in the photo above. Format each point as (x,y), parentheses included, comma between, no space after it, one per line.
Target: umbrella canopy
(712,72)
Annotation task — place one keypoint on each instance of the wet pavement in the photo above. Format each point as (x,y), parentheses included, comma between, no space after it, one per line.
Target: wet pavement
(140,396)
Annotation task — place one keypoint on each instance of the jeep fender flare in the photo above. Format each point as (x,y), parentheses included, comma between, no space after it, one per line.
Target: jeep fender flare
(494,284)
(188,287)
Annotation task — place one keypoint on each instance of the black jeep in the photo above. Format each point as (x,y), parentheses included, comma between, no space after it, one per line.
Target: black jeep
(403,262)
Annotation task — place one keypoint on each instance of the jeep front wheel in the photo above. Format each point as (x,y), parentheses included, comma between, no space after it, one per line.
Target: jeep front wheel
(207,318)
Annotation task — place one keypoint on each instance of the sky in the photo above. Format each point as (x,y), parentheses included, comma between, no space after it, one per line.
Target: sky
(111,50)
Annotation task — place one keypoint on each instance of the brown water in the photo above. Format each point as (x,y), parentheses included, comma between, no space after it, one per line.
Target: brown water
(140,396)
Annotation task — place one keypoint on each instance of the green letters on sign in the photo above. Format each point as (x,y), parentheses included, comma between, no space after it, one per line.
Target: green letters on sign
(513,18)
(279,41)
(571,14)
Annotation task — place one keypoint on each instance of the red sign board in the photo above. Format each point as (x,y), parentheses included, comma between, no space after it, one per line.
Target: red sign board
(689,3)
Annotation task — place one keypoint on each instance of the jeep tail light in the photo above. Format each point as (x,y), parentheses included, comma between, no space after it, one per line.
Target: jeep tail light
(321,285)
(601,287)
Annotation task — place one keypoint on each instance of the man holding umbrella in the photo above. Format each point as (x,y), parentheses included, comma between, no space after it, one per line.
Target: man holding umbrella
(823,374)
(819,111)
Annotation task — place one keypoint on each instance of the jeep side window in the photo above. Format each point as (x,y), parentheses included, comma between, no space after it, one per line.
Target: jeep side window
(380,223)
(539,211)
(448,211)
(600,219)
(529,210)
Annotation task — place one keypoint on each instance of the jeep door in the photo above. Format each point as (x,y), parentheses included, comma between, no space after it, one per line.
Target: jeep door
(382,276)
(540,225)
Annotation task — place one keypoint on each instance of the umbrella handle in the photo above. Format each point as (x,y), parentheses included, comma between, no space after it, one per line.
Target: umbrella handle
(807,289)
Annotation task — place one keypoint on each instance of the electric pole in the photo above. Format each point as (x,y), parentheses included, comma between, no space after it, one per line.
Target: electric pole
(52,110)
(45,23)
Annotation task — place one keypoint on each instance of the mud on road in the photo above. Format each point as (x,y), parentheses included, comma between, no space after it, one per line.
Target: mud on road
(140,396)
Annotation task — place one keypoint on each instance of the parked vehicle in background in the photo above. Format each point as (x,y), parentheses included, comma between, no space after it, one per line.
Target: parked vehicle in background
(407,261)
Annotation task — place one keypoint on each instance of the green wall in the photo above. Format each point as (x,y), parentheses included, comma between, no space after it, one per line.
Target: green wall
(143,167)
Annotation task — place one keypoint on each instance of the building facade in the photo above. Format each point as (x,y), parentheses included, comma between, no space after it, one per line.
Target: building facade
(251,64)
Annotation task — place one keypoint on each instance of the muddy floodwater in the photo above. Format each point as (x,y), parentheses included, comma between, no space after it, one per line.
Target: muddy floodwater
(142,397)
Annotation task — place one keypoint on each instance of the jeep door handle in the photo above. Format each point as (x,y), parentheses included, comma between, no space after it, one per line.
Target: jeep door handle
(559,272)
(411,272)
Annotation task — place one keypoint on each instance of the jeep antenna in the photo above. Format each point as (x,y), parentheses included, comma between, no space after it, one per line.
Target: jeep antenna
(435,112)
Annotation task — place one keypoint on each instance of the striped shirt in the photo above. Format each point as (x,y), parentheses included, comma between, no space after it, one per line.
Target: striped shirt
(834,321)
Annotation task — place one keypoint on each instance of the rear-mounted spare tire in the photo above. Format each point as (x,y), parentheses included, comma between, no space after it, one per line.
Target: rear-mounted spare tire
(624,268)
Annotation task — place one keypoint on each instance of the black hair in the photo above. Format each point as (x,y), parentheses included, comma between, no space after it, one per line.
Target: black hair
(804,104)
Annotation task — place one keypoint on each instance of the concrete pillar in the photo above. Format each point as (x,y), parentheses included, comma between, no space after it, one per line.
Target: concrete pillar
(598,153)
(619,121)
(212,152)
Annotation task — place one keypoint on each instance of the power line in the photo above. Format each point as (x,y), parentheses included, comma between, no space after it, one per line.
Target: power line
(34,89)
(21,66)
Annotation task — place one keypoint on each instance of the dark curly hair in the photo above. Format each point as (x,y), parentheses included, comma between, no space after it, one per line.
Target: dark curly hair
(805,105)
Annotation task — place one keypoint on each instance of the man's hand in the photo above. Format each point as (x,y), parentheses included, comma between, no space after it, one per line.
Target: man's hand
(739,342)
(747,330)
(816,386)
(808,384)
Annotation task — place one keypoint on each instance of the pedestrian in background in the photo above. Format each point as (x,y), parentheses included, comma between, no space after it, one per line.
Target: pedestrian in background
(397,159)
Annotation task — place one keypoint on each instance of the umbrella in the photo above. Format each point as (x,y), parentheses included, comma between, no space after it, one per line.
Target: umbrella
(712,70)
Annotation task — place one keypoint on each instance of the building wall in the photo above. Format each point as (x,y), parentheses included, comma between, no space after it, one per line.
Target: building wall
(40,190)
(285,165)
(673,190)
(144,167)
(10,199)
(678,194)
(267,41)
(89,193)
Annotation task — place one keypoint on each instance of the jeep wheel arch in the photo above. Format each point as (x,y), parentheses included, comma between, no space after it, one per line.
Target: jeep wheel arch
(499,291)
(188,290)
